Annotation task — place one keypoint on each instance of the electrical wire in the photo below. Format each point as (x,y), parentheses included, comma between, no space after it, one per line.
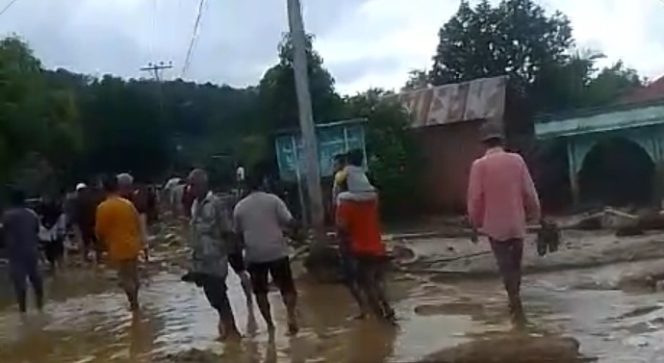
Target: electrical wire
(154,30)
(9,5)
(194,36)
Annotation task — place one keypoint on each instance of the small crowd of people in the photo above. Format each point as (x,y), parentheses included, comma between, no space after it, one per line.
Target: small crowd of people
(249,230)
(48,227)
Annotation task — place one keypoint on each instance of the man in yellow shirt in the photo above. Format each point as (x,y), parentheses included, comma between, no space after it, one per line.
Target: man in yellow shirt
(118,227)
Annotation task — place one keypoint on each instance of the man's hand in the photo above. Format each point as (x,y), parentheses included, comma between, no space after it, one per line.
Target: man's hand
(146,254)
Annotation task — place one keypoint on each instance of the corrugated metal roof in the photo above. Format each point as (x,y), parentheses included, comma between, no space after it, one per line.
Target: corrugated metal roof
(651,92)
(482,98)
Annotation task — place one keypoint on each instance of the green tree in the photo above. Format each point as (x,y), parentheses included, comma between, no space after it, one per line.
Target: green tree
(535,49)
(417,78)
(37,121)
(564,86)
(392,152)
(278,99)
(516,38)
(611,83)
(578,84)
(123,129)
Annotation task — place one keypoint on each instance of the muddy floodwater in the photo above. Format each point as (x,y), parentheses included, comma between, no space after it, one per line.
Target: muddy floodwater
(86,320)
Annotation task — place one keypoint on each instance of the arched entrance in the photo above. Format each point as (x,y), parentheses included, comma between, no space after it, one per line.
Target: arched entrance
(617,172)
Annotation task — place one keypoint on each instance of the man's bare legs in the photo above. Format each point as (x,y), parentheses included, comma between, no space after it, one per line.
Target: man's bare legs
(372,280)
(264,307)
(128,274)
(21,272)
(290,300)
(508,256)
(282,276)
(245,281)
(215,291)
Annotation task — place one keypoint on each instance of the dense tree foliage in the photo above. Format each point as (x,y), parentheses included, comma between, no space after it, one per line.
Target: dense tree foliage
(515,38)
(278,98)
(75,126)
(417,78)
(535,49)
(392,152)
(62,127)
(65,127)
(39,123)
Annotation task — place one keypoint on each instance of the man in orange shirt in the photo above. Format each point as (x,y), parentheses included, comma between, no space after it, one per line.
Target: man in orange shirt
(118,227)
(358,223)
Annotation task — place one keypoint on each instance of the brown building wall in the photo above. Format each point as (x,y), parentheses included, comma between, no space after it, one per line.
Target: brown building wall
(448,152)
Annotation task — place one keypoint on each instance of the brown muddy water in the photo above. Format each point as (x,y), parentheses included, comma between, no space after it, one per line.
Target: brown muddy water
(86,320)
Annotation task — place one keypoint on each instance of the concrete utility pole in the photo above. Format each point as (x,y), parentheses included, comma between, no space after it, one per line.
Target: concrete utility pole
(312,172)
(156,69)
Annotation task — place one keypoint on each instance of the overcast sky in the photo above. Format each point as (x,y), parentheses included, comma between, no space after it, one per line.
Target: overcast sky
(365,43)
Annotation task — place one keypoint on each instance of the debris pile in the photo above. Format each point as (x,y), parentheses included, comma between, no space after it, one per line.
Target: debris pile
(512,349)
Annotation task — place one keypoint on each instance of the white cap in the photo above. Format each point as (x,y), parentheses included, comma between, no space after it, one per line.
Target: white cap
(125,179)
(80,186)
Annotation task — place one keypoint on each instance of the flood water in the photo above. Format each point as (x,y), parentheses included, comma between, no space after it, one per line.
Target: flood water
(86,320)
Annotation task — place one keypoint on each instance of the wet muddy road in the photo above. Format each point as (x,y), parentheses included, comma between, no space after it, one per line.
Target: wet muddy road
(86,320)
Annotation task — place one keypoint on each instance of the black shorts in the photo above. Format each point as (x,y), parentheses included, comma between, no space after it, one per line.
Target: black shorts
(281,275)
(236,260)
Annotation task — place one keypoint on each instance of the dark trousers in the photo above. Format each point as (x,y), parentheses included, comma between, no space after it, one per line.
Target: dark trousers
(215,291)
(349,272)
(22,269)
(508,257)
(371,279)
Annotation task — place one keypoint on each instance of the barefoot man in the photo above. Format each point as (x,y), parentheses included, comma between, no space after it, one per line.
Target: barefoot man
(501,197)
(358,225)
(20,226)
(260,219)
(118,227)
(212,237)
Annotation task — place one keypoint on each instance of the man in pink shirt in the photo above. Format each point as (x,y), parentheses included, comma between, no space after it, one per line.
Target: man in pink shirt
(501,199)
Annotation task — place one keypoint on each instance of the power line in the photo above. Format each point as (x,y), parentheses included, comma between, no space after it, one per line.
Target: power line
(153,36)
(194,35)
(9,5)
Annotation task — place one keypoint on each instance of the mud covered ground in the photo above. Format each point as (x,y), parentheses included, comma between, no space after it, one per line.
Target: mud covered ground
(609,311)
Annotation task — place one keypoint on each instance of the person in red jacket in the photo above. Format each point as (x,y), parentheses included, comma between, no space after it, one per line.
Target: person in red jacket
(358,225)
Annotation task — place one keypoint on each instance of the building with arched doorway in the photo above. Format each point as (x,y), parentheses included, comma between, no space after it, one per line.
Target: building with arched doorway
(615,154)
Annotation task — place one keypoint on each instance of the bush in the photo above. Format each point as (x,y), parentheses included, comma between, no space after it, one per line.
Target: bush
(392,153)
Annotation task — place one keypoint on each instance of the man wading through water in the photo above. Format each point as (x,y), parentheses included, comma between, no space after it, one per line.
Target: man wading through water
(501,197)
(260,219)
(118,227)
(214,246)
(358,225)
(127,191)
(348,263)
(20,226)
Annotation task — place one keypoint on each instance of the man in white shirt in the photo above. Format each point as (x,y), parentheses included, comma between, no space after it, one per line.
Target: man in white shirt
(260,219)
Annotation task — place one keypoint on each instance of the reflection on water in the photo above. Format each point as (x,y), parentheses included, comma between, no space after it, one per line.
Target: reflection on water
(87,320)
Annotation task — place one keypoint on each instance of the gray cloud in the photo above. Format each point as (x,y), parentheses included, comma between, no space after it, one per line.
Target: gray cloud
(364,42)
(349,71)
